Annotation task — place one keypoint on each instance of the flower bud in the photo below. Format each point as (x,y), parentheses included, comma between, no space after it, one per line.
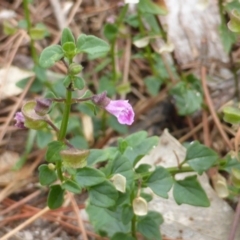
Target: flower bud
(119,182)
(32,119)
(101,99)
(140,207)
(42,106)
(220,185)
(75,68)
(51,166)
(20,119)
(74,158)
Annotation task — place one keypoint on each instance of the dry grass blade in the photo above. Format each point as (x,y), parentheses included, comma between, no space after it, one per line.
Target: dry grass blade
(79,219)
(15,108)
(25,224)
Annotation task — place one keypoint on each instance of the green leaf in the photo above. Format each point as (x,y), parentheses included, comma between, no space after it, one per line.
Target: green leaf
(91,45)
(122,145)
(156,216)
(67,36)
(71,186)
(143,168)
(147,6)
(53,151)
(103,194)
(67,81)
(127,214)
(99,155)
(50,55)
(124,167)
(43,138)
(160,181)
(228,38)
(230,163)
(46,175)
(122,236)
(55,197)
(134,154)
(110,31)
(189,191)
(146,196)
(79,83)
(115,125)
(88,176)
(106,221)
(37,86)
(231,115)
(106,84)
(22,24)
(136,138)
(153,84)
(69,48)
(37,33)
(200,157)
(149,228)
(188,98)
(234,24)
(123,88)
(8,28)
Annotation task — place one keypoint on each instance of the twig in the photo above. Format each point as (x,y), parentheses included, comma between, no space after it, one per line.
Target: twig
(70,18)
(21,202)
(25,224)
(196,129)
(58,13)
(211,107)
(15,108)
(79,219)
(235,223)
(206,135)
(190,123)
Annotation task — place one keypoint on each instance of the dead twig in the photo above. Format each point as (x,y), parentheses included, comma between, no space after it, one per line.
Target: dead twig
(79,219)
(211,108)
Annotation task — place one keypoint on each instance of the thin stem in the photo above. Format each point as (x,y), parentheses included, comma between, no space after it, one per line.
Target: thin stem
(74,100)
(50,123)
(134,218)
(29,26)
(133,227)
(113,43)
(63,128)
(59,170)
(147,48)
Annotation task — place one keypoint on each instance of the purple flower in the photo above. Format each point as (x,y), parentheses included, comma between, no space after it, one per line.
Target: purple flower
(122,110)
(19,118)
(111,19)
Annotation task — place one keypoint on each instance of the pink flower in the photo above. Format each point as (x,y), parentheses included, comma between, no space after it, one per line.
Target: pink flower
(122,110)
(19,120)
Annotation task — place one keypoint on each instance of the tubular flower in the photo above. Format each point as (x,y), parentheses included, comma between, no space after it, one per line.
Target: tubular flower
(19,118)
(121,109)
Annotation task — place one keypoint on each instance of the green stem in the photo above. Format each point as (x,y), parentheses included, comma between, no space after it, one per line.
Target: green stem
(63,128)
(134,218)
(147,48)
(29,26)
(113,43)
(133,228)
(59,170)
